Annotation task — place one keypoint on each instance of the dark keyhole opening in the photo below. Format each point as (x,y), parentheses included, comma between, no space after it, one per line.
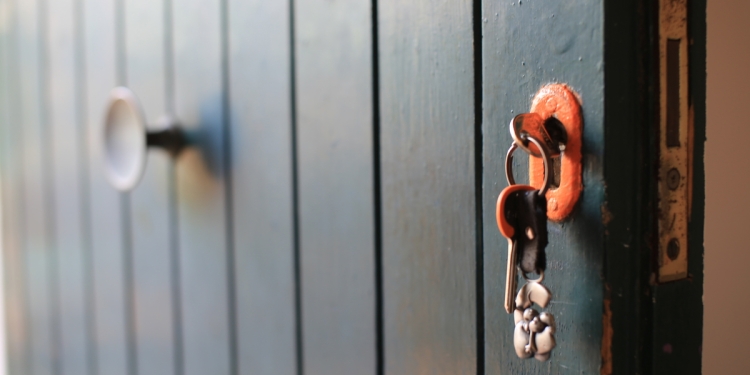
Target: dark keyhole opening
(557,133)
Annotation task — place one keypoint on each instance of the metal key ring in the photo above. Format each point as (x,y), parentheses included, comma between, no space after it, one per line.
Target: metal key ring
(526,277)
(545,158)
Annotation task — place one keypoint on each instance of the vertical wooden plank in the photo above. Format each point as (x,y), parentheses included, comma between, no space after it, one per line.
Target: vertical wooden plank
(201,188)
(526,45)
(261,160)
(65,138)
(34,136)
(428,186)
(14,275)
(147,48)
(333,62)
(106,228)
(630,165)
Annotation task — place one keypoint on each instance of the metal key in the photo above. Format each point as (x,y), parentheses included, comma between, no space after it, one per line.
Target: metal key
(511,276)
(507,215)
(522,218)
(551,133)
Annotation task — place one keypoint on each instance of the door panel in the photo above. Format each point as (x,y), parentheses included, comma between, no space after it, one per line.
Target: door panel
(527,45)
(14,272)
(333,44)
(261,180)
(208,340)
(154,253)
(428,186)
(66,136)
(334,211)
(108,298)
(36,188)
(515,66)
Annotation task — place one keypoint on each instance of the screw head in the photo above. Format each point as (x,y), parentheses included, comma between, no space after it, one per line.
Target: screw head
(673,248)
(673,179)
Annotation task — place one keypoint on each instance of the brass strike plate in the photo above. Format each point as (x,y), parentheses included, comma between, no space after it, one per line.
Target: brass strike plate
(675,141)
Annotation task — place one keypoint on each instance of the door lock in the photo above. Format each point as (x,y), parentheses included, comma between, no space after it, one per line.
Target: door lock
(555,119)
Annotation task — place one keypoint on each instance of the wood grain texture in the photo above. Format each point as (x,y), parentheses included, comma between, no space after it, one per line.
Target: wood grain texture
(428,185)
(333,61)
(201,188)
(527,44)
(66,137)
(11,180)
(151,202)
(261,161)
(105,210)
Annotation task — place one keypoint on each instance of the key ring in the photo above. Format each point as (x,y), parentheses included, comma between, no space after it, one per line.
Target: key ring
(526,277)
(545,158)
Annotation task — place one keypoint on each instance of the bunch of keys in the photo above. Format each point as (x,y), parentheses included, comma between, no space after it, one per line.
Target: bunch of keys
(522,219)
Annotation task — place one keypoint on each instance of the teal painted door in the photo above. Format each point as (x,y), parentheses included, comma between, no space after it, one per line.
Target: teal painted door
(334,212)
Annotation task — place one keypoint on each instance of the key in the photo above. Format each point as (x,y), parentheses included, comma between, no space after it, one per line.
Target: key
(511,277)
(522,219)
(507,209)
(551,132)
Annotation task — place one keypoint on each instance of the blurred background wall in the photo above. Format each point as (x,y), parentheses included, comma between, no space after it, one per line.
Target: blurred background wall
(727,257)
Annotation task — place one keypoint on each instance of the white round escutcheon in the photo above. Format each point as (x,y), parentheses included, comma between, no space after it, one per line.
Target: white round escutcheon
(124,140)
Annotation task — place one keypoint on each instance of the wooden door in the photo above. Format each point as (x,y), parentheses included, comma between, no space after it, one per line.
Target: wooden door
(334,209)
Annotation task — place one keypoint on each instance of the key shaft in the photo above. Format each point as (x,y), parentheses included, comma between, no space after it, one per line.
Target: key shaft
(511,277)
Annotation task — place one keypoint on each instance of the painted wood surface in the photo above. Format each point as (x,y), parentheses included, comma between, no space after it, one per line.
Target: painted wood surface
(108,298)
(260,156)
(156,325)
(631,190)
(526,45)
(201,190)
(428,185)
(333,60)
(36,187)
(304,230)
(19,316)
(66,139)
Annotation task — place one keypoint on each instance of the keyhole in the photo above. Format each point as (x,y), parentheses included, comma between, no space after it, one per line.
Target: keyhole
(559,136)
